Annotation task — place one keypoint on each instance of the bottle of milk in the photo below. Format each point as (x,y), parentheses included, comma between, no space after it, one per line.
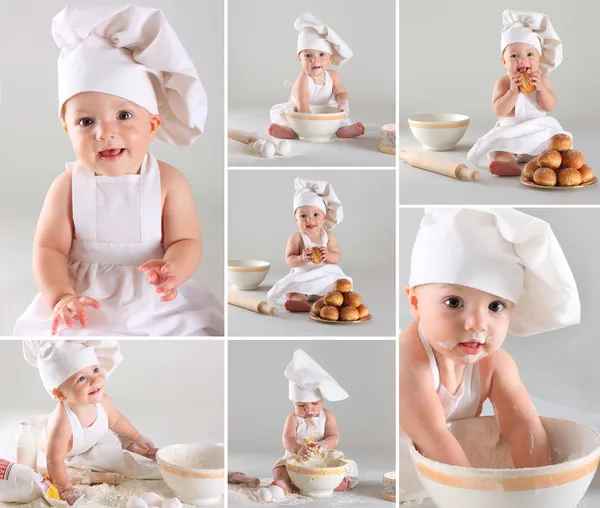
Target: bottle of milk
(27,444)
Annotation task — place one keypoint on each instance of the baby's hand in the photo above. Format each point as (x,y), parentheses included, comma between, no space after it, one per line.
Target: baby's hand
(535,78)
(162,275)
(70,494)
(306,256)
(344,106)
(143,446)
(515,82)
(71,307)
(324,253)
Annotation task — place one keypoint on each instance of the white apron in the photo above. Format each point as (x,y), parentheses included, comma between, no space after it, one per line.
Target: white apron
(464,404)
(309,279)
(314,429)
(526,134)
(318,95)
(118,224)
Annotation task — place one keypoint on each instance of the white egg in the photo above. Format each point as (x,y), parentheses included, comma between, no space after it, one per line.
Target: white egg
(277,492)
(152,499)
(264,495)
(272,140)
(171,503)
(257,145)
(284,147)
(136,502)
(267,150)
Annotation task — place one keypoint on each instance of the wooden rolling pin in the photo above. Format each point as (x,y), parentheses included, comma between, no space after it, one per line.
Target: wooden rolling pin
(253,304)
(88,477)
(242,136)
(440,166)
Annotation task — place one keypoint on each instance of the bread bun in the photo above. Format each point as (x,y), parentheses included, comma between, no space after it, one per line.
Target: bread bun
(572,159)
(330,313)
(569,177)
(317,306)
(545,177)
(549,159)
(587,174)
(560,142)
(342,285)
(352,299)
(334,298)
(315,254)
(349,314)
(529,169)
(363,311)
(526,87)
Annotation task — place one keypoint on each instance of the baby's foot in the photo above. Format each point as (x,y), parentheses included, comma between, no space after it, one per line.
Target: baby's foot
(351,131)
(345,485)
(285,486)
(281,131)
(297,306)
(505,168)
(313,298)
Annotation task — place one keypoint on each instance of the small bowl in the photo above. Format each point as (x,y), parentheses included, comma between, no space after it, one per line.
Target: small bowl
(319,478)
(438,132)
(247,274)
(575,452)
(318,126)
(195,472)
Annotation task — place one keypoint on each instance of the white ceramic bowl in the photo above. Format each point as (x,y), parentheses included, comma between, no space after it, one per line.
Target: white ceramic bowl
(247,274)
(318,126)
(195,472)
(318,479)
(438,132)
(575,456)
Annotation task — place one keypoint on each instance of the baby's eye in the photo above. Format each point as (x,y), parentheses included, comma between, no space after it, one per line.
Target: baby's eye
(124,115)
(81,378)
(321,54)
(307,55)
(85,122)
(513,56)
(529,54)
(96,370)
(496,306)
(453,302)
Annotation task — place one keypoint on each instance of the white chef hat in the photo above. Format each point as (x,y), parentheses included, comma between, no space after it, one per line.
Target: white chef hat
(132,52)
(535,29)
(309,382)
(315,35)
(57,360)
(503,252)
(320,194)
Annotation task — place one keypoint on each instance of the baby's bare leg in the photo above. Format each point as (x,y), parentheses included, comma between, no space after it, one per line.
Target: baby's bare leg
(281,131)
(345,485)
(504,164)
(282,479)
(351,131)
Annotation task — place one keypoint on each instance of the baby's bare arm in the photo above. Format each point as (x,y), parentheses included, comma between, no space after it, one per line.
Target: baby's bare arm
(59,434)
(334,254)
(300,91)
(504,96)
(117,422)
(516,416)
(339,92)
(53,240)
(332,434)
(293,251)
(290,438)
(421,413)
(545,93)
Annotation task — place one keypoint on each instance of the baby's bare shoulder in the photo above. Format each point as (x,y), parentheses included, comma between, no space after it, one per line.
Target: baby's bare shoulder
(500,365)
(503,82)
(295,239)
(334,74)
(328,413)
(410,344)
(58,426)
(170,175)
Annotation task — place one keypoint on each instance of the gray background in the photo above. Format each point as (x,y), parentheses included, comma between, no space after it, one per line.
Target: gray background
(261,222)
(262,54)
(34,147)
(451,67)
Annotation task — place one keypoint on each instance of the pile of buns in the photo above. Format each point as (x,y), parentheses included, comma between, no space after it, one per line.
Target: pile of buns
(341,304)
(559,166)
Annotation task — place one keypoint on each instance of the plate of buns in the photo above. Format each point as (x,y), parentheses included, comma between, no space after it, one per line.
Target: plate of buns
(558,167)
(341,306)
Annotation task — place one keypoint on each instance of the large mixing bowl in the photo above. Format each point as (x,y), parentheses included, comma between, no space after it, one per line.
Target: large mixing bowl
(318,126)
(318,477)
(438,132)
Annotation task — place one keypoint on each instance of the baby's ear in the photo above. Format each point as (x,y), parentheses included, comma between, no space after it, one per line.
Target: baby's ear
(57,394)
(155,122)
(413,301)
(65,128)
(502,60)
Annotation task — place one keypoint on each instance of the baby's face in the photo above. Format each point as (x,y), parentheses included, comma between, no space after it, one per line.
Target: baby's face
(461,323)
(109,134)
(521,57)
(308,409)
(309,218)
(86,386)
(314,62)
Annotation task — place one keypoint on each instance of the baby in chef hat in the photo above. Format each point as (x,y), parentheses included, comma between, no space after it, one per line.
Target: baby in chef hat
(118,232)
(477,274)
(317,210)
(311,430)
(530,50)
(318,48)
(74,373)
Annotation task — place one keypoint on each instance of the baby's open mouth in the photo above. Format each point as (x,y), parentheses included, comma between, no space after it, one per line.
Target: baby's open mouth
(524,70)
(316,67)
(470,348)
(111,154)
(95,392)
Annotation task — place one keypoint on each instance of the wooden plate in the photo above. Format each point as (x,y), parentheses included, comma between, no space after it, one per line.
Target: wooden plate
(368,318)
(556,187)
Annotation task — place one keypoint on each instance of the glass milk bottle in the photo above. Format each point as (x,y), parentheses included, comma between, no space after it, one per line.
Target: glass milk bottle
(27,444)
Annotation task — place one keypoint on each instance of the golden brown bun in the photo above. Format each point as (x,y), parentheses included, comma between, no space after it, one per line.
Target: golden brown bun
(545,177)
(342,285)
(330,313)
(363,311)
(529,169)
(572,159)
(334,298)
(526,87)
(349,314)
(560,142)
(569,177)
(352,299)
(315,255)
(549,159)
(587,174)
(317,306)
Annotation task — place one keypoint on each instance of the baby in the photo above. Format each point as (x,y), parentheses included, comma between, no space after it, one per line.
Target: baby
(118,232)
(71,373)
(317,210)
(318,48)
(310,430)
(475,275)
(530,49)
